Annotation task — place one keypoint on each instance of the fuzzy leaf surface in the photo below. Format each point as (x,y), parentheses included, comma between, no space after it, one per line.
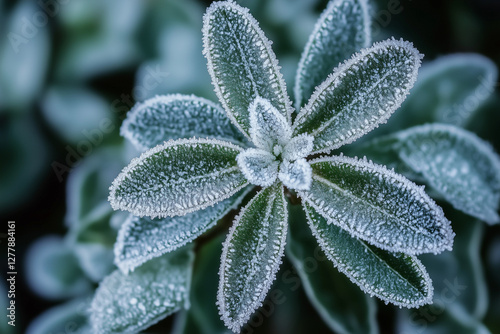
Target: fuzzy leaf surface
(251,256)
(341,304)
(241,63)
(296,175)
(175,116)
(463,168)
(377,205)
(142,239)
(359,95)
(178,177)
(259,167)
(397,278)
(130,303)
(342,29)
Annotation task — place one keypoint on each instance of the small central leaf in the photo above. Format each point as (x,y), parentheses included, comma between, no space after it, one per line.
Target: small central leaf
(259,167)
(268,128)
(296,175)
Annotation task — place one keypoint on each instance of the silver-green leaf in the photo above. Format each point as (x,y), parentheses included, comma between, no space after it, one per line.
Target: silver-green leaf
(178,177)
(377,205)
(251,256)
(397,278)
(141,238)
(175,116)
(359,95)
(241,63)
(130,303)
(342,29)
(341,304)
(460,166)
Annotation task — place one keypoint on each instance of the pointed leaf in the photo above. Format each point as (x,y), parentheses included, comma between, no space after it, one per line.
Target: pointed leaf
(259,167)
(251,256)
(241,63)
(341,304)
(128,304)
(142,239)
(460,166)
(342,29)
(298,147)
(268,127)
(175,116)
(178,177)
(296,175)
(378,205)
(449,89)
(393,277)
(359,95)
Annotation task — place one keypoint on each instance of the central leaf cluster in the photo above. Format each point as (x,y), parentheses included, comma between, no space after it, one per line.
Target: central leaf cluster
(277,153)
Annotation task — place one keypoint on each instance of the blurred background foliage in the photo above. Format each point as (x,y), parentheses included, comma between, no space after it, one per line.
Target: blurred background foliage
(71,69)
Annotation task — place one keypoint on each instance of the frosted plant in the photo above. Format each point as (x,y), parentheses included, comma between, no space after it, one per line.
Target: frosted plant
(370,221)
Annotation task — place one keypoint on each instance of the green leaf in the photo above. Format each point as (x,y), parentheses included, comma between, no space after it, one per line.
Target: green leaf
(393,277)
(341,304)
(342,29)
(377,205)
(449,89)
(251,256)
(128,304)
(53,269)
(166,117)
(177,178)
(241,63)
(70,317)
(141,239)
(460,166)
(359,95)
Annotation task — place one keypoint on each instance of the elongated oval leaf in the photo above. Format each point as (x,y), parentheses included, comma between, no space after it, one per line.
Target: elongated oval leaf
(378,205)
(142,239)
(448,90)
(393,277)
(130,303)
(341,304)
(359,95)
(463,168)
(342,29)
(251,256)
(241,63)
(178,177)
(175,116)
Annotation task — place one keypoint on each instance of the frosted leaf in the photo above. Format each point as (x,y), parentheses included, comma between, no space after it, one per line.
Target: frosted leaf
(129,303)
(341,304)
(342,29)
(449,89)
(296,175)
(259,167)
(178,177)
(142,239)
(298,147)
(359,95)
(251,256)
(175,116)
(378,205)
(396,278)
(268,127)
(463,168)
(241,63)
